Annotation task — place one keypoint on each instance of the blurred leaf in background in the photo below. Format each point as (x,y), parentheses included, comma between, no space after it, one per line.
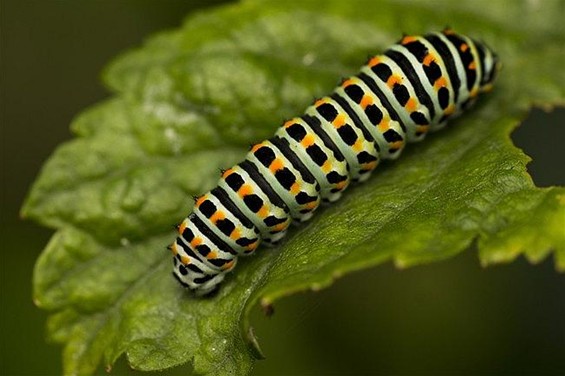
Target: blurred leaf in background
(187,103)
(52,53)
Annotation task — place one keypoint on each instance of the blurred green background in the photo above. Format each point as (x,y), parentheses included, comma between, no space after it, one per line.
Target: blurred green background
(447,318)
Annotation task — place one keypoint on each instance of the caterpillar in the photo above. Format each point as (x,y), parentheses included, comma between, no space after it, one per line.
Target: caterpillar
(397,97)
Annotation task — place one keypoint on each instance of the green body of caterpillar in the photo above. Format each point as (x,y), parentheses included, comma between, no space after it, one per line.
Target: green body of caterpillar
(397,97)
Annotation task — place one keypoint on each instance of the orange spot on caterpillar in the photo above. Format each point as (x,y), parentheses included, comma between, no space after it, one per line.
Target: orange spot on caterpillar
(228,265)
(235,234)
(393,80)
(464,47)
(411,104)
(200,200)
(295,188)
(182,227)
(256,147)
(371,165)
(366,101)
(263,212)
(341,185)
(375,60)
(311,205)
(212,255)
(320,102)
(327,166)
(430,58)
(358,145)
(472,65)
(440,82)
(252,246)
(384,125)
(449,110)
(276,165)
(173,248)
(217,216)
(339,120)
(280,226)
(422,128)
(185,260)
(245,190)
(227,173)
(308,140)
(291,122)
(408,39)
(349,81)
(196,242)
(397,144)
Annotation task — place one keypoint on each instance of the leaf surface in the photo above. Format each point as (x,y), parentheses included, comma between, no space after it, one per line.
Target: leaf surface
(191,100)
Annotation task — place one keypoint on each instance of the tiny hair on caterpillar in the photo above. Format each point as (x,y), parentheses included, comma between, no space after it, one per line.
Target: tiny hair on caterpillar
(414,87)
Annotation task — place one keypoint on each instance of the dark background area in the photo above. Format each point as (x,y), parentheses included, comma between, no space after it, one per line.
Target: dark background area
(453,317)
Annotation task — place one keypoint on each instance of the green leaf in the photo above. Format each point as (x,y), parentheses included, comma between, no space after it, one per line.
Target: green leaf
(190,101)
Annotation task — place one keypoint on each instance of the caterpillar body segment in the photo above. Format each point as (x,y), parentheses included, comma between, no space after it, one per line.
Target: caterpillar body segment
(414,87)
